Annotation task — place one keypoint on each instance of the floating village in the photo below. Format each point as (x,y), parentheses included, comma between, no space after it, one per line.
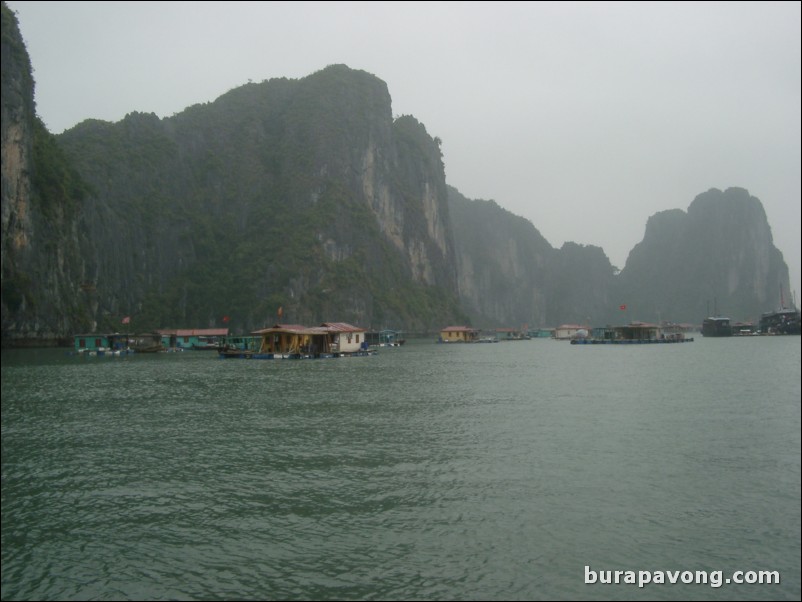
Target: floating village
(340,339)
(280,341)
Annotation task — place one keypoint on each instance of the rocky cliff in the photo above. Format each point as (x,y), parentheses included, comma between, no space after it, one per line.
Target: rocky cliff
(502,263)
(509,275)
(306,195)
(719,255)
(42,235)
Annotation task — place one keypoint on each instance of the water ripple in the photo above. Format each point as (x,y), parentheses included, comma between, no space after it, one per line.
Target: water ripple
(427,472)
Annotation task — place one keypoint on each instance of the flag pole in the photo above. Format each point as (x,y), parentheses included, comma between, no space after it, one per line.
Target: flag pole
(127,321)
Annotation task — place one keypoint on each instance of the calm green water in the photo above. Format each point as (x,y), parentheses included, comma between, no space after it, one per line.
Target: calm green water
(427,472)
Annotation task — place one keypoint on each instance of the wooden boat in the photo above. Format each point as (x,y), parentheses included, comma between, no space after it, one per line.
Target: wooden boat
(716,327)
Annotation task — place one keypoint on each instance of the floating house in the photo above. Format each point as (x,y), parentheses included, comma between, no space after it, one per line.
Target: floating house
(116,344)
(99,344)
(289,339)
(295,341)
(346,338)
(148,342)
(541,333)
(243,343)
(638,331)
(458,334)
(385,338)
(635,333)
(603,333)
(199,339)
(511,334)
(239,346)
(567,332)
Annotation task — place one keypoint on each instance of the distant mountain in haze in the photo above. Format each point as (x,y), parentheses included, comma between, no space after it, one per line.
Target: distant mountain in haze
(509,275)
(719,255)
(307,195)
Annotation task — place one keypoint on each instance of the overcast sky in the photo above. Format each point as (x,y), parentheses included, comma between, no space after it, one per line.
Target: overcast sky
(585,118)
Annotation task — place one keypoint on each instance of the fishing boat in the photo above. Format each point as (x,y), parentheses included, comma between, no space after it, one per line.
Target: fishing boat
(781,321)
(716,327)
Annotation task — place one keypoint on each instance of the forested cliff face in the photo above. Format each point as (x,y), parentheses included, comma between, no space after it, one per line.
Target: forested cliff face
(42,266)
(299,194)
(303,195)
(18,117)
(307,195)
(503,264)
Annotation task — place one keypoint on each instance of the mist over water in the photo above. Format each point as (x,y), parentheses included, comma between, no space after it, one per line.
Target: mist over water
(426,472)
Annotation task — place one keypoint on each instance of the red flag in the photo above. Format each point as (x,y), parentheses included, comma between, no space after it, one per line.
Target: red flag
(127,320)
(226,319)
(622,307)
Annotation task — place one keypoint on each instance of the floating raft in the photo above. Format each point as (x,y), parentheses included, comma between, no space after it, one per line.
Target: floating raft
(629,341)
(248,355)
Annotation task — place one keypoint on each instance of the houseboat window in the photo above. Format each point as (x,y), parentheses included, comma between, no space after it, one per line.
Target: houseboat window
(357,338)
(82,343)
(98,343)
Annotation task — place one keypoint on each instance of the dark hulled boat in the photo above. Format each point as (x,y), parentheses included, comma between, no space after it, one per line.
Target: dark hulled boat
(782,321)
(716,327)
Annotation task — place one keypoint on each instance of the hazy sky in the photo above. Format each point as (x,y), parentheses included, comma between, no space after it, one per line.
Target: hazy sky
(585,118)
